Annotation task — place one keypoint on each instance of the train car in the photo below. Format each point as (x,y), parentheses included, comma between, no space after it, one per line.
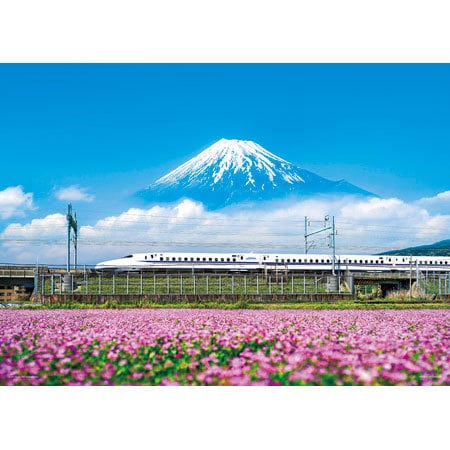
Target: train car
(181,261)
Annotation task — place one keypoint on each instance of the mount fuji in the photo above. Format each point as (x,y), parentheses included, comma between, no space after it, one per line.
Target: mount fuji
(235,171)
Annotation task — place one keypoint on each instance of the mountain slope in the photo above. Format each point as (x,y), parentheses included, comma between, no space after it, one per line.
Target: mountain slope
(441,248)
(234,171)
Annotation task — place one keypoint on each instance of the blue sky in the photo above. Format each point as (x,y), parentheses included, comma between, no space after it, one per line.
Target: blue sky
(112,129)
(341,120)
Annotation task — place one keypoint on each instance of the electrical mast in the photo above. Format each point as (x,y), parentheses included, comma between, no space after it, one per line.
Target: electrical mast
(71,225)
(326,227)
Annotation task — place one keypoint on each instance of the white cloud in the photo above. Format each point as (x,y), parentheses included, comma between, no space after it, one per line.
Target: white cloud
(53,225)
(442,197)
(376,209)
(74,193)
(41,238)
(439,204)
(14,202)
(364,226)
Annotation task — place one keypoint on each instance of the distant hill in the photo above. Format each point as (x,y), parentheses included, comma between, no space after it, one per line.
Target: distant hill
(441,248)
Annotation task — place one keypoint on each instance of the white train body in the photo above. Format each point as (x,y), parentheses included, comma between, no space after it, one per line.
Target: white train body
(273,261)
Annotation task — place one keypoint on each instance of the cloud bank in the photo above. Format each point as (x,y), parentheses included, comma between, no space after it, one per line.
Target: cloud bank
(363,226)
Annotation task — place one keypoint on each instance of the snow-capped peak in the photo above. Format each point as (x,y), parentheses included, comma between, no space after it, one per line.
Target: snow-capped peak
(235,171)
(231,156)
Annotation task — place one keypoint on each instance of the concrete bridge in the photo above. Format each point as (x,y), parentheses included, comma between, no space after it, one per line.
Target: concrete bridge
(388,281)
(16,281)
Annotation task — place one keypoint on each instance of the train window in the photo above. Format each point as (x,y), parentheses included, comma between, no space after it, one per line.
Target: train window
(228,259)
(145,256)
(322,261)
(185,259)
(210,259)
(282,260)
(242,258)
(288,260)
(198,259)
(328,261)
(161,259)
(446,262)
(192,259)
(204,259)
(264,258)
(317,260)
(216,259)
(234,259)
(276,260)
(294,260)
(173,259)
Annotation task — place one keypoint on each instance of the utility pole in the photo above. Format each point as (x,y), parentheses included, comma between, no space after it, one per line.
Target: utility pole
(410,277)
(333,244)
(419,291)
(71,225)
(306,235)
(75,242)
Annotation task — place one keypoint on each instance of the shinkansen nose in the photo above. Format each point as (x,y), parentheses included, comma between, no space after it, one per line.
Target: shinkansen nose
(112,264)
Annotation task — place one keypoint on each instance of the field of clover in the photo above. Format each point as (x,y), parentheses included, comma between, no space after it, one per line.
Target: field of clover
(224,347)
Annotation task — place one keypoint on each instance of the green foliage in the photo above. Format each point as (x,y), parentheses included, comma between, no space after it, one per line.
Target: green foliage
(244,303)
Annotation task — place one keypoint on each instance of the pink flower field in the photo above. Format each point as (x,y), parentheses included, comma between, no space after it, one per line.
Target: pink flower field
(220,347)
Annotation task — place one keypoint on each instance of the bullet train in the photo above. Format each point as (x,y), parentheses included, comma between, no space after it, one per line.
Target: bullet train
(252,262)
